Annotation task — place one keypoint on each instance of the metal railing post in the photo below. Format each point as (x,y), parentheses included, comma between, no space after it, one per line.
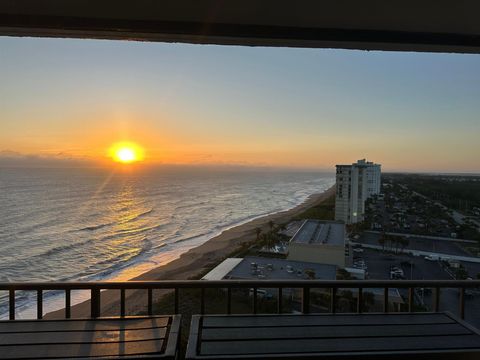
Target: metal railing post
(39,304)
(360,300)
(11,304)
(280,300)
(229,300)
(385,300)
(306,300)
(411,299)
(67,303)
(333,300)
(462,303)
(122,302)
(95,302)
(436,300)
(150,301)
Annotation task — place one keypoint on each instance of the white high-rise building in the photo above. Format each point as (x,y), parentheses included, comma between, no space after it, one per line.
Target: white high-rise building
(355,184)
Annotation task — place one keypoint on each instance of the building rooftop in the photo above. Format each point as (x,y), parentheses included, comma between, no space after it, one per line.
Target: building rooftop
(222,269)
(361,162)
(259,268)
(318,232)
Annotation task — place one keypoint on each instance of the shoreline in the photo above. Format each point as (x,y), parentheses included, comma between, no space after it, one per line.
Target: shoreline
(193,262)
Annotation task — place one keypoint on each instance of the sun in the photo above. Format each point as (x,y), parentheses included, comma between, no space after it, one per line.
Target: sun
(126,155)
(126,152)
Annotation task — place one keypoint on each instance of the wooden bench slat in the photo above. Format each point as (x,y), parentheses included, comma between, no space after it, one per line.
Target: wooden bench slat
(82,336)
(333,345)
(80,350)
(331,331)
(325,320)
(82,325)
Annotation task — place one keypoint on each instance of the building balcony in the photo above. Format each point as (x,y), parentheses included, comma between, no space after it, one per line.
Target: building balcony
(301,301)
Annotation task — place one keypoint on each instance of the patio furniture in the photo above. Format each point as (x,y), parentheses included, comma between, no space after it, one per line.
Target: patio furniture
(333,336)
(150,337)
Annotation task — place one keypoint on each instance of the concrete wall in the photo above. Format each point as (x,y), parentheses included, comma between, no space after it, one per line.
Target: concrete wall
(323,254)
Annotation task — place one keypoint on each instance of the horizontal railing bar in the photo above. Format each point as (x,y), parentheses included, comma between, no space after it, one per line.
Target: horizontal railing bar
(172,284)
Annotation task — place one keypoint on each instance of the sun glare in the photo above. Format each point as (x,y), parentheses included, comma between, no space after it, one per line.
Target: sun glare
(126,152)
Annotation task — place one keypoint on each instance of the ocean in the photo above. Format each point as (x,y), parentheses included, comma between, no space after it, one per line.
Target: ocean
(92,224)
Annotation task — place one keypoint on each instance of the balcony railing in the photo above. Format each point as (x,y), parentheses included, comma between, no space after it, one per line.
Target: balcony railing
(305,287)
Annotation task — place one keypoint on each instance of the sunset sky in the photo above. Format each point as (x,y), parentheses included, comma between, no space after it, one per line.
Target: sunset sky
(196,104)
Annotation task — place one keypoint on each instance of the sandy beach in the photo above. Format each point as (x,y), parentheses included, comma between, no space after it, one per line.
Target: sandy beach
(194,262)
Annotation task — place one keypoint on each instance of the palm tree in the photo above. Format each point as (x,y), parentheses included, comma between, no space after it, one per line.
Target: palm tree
(267,240)
(258,231)
(271,224)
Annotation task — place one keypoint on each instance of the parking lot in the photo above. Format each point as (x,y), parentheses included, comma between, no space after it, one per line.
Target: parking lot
(418,243)
(378,267)
(379,263)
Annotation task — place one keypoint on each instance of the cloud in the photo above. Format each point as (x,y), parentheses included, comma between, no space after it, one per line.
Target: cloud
(9,158)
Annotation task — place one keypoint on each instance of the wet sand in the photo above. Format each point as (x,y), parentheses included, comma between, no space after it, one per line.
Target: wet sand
(192,263)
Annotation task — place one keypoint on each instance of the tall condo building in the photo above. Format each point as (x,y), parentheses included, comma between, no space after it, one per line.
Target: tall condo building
(355,184)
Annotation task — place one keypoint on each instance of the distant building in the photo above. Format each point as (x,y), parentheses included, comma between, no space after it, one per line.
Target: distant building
(355,184)
(320,242)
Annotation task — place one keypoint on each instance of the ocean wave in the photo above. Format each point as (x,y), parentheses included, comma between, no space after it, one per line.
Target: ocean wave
(106,224)
(60,249)
(162,245)
(182,219)
(95,227)
(131,232)
(36,226)
(136,217)
(190,205)
(116,263)
(190,238)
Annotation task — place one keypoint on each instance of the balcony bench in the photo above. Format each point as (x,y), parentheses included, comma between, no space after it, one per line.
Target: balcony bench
(146,337)
(332,336)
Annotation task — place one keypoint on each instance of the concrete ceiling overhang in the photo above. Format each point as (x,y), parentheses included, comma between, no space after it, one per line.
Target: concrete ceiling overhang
(401,25)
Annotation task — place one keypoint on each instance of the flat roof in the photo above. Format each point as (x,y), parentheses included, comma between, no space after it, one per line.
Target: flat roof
(222,269)
(260,268)
(317,232)
(361,162)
